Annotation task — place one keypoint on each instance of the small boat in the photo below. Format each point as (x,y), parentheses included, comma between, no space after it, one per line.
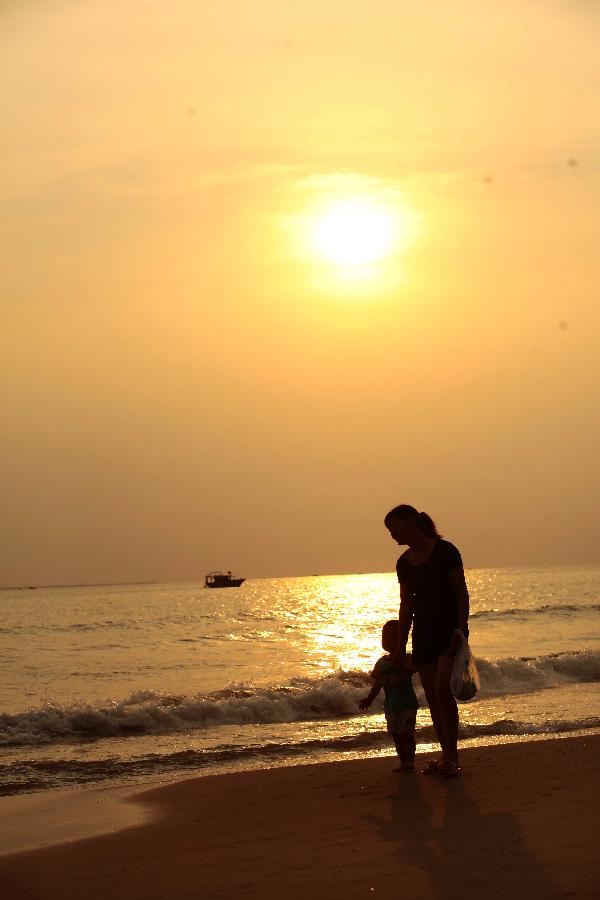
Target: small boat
(222,580)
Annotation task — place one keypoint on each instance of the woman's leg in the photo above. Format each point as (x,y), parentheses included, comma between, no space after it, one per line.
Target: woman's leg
(428,676)
(447,708)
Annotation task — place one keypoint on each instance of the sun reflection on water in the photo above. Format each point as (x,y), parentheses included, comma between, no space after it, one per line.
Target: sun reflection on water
(348,614)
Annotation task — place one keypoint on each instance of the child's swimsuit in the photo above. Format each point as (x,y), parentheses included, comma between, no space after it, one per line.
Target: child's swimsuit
(401,704)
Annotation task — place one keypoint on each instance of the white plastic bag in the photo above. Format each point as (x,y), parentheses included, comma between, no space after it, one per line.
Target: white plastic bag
(464,681)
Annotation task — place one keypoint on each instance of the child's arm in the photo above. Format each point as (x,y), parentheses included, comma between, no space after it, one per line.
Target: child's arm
(366,701)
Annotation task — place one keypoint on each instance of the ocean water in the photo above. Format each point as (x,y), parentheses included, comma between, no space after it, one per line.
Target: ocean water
(118,684)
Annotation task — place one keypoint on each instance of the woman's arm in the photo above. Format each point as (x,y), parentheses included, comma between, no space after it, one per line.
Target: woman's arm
(457,580)
(405,616)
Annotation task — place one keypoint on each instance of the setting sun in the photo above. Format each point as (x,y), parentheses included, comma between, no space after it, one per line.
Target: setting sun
(354,233)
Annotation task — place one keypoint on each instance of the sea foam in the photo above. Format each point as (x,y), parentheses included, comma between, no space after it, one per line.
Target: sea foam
(330,697)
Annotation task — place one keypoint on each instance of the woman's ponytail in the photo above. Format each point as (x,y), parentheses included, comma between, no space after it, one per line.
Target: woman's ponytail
(405,512)
(427,525)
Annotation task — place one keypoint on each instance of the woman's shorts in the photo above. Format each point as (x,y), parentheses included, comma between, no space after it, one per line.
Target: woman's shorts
(428,648)
(399,722)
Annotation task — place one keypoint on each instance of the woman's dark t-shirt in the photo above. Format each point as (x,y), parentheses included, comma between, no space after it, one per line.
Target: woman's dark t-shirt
(435,603)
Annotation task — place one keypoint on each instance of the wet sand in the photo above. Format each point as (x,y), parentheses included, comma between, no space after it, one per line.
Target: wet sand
(522,820)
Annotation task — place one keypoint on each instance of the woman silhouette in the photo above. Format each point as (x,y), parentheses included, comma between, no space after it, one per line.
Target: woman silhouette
(434,600)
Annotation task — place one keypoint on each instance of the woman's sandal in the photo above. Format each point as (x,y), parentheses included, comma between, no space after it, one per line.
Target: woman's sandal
(449,770)
(432,767)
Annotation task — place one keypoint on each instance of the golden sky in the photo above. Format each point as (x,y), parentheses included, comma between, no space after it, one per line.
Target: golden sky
(194,376)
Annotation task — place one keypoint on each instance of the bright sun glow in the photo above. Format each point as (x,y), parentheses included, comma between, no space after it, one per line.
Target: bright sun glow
(354,233)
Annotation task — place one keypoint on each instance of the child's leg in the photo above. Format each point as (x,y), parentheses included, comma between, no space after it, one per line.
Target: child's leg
(408,749)
(405,748)
(399,744)
(407,736)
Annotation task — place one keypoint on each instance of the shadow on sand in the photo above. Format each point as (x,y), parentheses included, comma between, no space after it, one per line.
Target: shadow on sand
(438,828)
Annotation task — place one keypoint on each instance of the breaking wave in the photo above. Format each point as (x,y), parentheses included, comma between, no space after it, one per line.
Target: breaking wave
(332,697)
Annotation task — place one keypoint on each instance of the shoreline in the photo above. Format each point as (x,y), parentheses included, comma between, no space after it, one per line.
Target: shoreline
(67,812)
(30,822)
(521,818)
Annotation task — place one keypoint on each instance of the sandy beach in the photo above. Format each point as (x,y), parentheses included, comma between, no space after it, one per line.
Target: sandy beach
(522,819)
